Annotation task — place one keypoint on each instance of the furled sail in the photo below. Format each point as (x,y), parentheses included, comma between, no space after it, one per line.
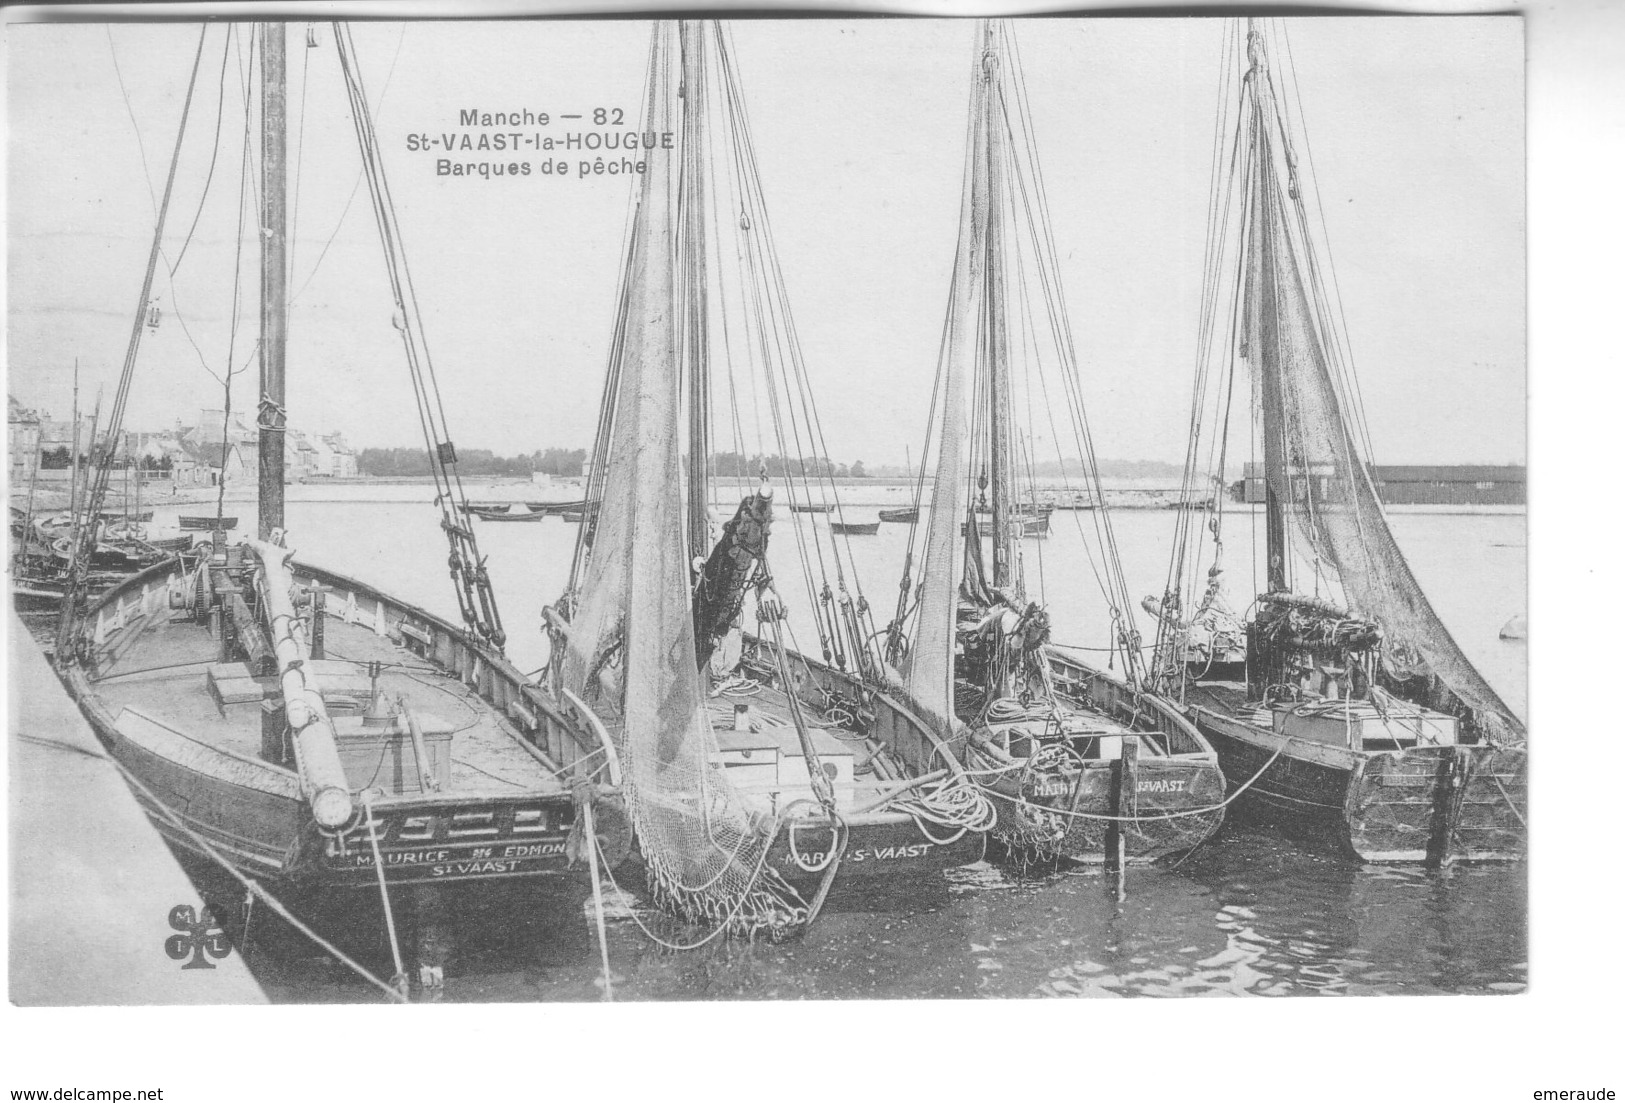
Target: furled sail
(1313,462)
(929,669)
(631,651)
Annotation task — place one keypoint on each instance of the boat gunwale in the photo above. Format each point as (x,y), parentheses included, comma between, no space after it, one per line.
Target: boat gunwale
(79,676)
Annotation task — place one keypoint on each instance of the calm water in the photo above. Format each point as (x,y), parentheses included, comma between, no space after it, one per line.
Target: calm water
(1252,912)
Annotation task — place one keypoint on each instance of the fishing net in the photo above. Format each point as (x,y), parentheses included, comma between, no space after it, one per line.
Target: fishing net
(928,671)
(631,652)
(1321,475)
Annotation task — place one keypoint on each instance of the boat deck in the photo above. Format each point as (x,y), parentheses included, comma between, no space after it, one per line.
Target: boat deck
(1092,732)
(1229,698)
(162,671)
(771,727)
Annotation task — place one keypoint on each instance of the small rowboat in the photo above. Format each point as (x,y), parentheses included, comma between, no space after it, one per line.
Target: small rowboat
(116,515)
(501,514)
(904,516)
(555,507)
(1030,525)
(208,523)
(855,528)
(811,507)
(510,516)
(486,507)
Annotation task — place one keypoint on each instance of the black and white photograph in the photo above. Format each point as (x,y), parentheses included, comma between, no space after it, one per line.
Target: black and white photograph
(736,508)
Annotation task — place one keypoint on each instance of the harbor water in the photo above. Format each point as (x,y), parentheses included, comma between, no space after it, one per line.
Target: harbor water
(1251,912)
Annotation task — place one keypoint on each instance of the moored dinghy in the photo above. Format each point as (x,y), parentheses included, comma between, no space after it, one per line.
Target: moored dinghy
(1357,714)
(1080,764)
(758,779)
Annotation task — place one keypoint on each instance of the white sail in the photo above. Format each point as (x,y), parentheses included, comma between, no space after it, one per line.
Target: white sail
(929,669)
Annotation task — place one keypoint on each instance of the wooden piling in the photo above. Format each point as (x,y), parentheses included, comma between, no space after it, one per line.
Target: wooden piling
(1123,780)
(1449,782)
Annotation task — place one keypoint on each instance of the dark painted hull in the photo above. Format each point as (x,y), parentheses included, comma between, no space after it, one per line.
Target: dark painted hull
(1170,806)
(207,523)
(902,516)
(881,848)
(855,528)
(1466,803)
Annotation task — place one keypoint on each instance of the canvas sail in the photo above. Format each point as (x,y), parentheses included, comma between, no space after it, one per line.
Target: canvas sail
(631,653)
(1313,461)
(929,669)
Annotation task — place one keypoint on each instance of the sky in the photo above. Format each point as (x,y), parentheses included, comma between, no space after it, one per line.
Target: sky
(1415,128)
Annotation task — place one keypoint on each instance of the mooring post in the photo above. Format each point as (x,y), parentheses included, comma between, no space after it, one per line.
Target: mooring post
(318,611)
(1449,779)
(1122,802)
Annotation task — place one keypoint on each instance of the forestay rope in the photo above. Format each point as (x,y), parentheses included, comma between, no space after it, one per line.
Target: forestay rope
(470,578)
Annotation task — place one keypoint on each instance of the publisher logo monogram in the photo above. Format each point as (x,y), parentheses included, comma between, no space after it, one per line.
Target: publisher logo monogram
(202,937)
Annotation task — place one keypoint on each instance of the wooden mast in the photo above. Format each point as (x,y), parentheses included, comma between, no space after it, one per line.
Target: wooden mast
(1000,453)
(691,290)
(273,274)
(1263,320)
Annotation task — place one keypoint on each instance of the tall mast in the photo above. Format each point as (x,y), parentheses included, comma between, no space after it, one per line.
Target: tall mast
(1260,315)
(692,277)
(273,273)
(1000,452)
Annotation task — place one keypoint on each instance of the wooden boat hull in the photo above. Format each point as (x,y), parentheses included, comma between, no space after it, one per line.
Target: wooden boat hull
(855,528)
(1159,801)
(1170,803)
(484,516)
(1030,526)
(252,812)
(885,847)
(900,516)
(883,844)
(208,523)
(811,507)
(1442,804)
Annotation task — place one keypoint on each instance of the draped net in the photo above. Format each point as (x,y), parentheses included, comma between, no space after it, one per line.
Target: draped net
(929,670)
(1323,479)
(631,653)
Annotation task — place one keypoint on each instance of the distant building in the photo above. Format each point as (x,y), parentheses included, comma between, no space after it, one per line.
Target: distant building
(23,440)
(1412,484)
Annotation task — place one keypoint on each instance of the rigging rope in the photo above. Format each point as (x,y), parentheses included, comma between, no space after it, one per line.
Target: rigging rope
(79,567)
(471,579)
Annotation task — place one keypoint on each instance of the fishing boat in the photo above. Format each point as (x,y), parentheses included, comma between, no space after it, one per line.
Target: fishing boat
(305,729)
(143,517)
(555,507)
(855,528)
(1351,708)
(485,507)
(812,507)
(224,524)
(905,516)
(759,779)
(1081,764)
